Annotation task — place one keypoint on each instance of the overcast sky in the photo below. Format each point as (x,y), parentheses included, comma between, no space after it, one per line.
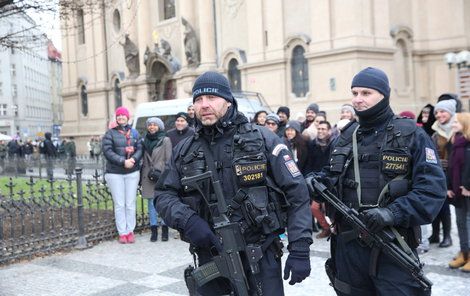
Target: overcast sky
(50,24)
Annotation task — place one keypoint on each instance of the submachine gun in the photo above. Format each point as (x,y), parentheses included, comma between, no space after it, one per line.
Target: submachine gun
(383,240)
(227,263)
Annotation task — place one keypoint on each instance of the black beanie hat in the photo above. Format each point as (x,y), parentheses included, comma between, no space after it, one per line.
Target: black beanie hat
(372,78)
(183,115)
(212,83)
(284,110)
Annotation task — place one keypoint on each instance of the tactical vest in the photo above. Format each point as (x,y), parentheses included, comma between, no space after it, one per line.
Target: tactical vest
(258,204)
(384,164)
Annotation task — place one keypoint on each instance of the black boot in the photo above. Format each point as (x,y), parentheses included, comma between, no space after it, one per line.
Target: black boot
(434,238)
(154,236)
(446,223)
(164,233)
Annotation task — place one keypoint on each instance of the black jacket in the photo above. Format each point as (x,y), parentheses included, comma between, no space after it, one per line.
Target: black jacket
(114,148)
(176,213)
(318,156)
(176,136)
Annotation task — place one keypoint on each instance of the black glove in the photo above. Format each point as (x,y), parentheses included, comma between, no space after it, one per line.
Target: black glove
(298,263)
(309,180)
(378,218)
(200,234)
(154,175)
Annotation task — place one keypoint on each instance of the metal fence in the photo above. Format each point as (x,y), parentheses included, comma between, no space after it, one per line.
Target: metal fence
(61,167)
(42,216)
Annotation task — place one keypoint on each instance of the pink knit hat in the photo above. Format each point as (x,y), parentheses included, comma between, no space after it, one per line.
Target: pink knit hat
(122,111)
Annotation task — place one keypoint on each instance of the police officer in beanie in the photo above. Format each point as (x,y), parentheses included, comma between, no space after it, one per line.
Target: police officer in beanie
(386,168)
(257,172)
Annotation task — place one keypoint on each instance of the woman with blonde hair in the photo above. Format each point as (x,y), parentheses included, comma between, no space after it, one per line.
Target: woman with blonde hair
(458,188)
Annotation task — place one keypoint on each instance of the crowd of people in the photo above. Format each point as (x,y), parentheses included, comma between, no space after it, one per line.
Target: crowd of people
(435,142)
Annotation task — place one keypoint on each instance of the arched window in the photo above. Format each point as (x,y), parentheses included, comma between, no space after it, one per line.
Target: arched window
(299,75)
(80,27)
(84,100)
(117,93)
(234,76)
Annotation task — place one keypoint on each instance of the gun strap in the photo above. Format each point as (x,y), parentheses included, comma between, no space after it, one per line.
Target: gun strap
(357,175)
(209,158)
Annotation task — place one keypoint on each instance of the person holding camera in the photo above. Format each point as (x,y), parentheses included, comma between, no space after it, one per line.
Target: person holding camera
(122,148)
(157,151)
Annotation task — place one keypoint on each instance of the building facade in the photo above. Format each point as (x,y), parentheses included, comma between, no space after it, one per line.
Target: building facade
(26,81)
(292,52)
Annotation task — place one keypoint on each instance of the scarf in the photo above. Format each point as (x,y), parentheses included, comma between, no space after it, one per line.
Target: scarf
(444,130)
(152,141)
(376,116)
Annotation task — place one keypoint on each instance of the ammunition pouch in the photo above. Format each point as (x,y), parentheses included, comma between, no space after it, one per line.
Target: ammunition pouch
(260,212)
(192,165)
(338,158)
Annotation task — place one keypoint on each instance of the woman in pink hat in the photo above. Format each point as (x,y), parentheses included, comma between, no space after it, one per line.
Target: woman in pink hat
(122,148)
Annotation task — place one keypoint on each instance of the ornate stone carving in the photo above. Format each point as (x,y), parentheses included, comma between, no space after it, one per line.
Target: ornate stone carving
(131,55)
(232,7)
(191,45)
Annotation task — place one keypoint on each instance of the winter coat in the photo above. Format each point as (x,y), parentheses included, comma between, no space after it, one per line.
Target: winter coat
(459,168)
(156,159)
(70,149)
(114,149)
(176,136)
(318,156)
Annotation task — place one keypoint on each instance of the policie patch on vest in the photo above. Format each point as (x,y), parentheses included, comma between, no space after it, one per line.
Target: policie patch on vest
(292,167)
(250,173)
(430,155)
(395,163)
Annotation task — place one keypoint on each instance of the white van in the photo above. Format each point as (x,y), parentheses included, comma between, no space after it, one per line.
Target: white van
(248,103)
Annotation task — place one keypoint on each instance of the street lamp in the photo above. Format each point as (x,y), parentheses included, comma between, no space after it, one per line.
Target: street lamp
(461,59)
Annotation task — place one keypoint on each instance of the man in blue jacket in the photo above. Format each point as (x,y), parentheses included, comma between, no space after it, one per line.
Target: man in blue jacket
(261,184)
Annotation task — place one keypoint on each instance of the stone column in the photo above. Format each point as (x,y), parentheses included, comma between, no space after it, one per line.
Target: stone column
(186,9)
(207,34)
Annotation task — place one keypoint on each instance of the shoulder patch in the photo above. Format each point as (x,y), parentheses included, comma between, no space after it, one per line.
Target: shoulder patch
(430,155)
(292,167)
(279,148)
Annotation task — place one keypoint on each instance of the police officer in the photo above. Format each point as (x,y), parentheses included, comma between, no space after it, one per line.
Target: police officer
(261,184)
(387,169)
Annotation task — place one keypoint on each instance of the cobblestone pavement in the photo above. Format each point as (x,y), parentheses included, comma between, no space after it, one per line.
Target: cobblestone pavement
(146,268)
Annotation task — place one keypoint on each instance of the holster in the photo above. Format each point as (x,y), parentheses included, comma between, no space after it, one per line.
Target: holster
(189,280)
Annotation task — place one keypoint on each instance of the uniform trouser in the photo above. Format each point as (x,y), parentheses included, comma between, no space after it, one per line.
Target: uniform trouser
(124,191)
(268,280)
(352,267)
(463,224)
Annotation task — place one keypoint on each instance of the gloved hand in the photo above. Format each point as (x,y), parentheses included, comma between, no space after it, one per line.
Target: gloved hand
(200,234)
(378,218)
(298,263)
(309,180)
